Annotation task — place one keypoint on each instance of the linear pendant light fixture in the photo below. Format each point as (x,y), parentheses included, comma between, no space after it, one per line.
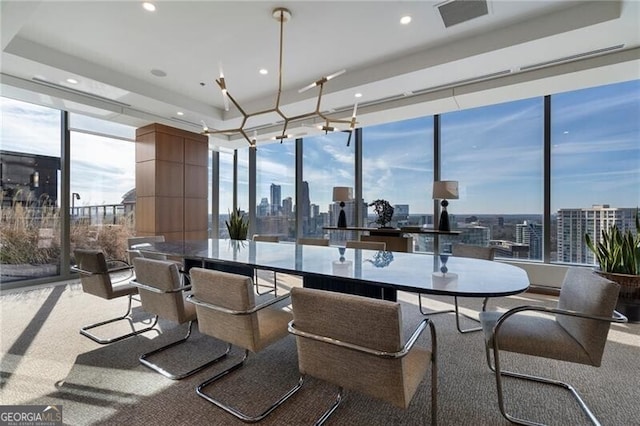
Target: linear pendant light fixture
(282,15)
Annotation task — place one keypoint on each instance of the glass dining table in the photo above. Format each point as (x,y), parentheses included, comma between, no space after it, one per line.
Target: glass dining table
(370,273)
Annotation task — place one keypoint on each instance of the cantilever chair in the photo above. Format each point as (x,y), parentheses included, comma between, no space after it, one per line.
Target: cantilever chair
(268,239)
(357,343)
(226,310)
(470,251)
(368,245)
(95,277)
(575,331)
(135,245)
(313,241)
(162,294)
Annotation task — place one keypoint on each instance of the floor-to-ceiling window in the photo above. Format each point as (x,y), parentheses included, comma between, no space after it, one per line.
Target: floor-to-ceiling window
(275,190)
(397,166)
(595,165)
(327,163)
(225,187)
(30,227)
(496,155)
(102,188)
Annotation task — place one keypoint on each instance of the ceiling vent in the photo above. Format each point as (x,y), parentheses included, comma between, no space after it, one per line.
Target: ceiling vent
(457,11)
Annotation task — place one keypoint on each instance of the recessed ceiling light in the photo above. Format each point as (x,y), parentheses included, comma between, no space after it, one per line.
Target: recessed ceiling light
(263,71)
(72,81)
(158,73)
(149,6)
(180,113)
(405,20)
(358,95)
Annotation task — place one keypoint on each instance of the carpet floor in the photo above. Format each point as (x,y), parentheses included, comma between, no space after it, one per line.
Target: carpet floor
(45,361)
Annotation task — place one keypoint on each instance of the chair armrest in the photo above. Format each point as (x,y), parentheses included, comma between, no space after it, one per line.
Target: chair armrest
(193,299)
(616,317)
(384,354)
(124,267)
(157,290)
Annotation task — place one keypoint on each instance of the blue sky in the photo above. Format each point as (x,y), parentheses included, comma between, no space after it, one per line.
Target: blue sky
(494,152)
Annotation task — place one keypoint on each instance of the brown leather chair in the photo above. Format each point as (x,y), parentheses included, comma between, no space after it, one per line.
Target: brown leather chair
(96,279)
(574,331)
(336,344)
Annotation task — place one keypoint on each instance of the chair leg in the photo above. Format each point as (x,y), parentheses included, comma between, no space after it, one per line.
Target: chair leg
(325,416)
(457,312)
(84,330)
(499,373)
(235,412)
(273,289)
(144,359)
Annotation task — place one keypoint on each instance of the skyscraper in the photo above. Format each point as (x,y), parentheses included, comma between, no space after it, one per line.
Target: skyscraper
(530,234)
(276,199)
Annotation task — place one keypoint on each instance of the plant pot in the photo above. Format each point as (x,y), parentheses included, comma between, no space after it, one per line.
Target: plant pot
(629,297)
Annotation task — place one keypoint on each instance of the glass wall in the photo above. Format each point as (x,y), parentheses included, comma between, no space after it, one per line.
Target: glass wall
(225,185)
(595,165)
(327,162)
(102,189)
(496,155)
(276,190)
(30,231)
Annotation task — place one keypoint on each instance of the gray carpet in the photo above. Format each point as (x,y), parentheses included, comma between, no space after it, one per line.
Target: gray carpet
(46,361)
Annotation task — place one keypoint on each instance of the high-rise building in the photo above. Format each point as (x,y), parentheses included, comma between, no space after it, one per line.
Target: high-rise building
(262,208)
(287,207)
(530,234)
(276,199)
(573,224)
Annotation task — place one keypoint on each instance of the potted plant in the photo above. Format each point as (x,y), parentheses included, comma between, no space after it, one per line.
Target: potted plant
(384,210)
(618,256)
(237,225)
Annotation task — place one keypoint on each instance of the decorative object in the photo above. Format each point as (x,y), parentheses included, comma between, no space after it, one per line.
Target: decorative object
(618,256)
(283,15)
(342,194)
(237,226)
(381,259)
(445,190)
(384,210)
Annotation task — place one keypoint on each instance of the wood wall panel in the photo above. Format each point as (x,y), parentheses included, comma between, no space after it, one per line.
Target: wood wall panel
(195,181)
(169,180)
(196,152)
(169,214)
(169,148)
(146,215)
(195,222)
(145,147)
(145,179)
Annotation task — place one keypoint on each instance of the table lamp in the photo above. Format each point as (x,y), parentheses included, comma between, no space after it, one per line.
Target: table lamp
(342,194)
(445,190)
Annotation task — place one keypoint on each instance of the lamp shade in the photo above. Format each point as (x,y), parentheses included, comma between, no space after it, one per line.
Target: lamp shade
(342,193)
(445,190)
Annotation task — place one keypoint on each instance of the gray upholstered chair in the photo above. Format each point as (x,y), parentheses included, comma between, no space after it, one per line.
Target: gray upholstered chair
(470,251)
(137,244)
(575,331)
(272,288)
(313,241)
(227,310)
(96,279)
(368,245)
(162,294)
(357,343)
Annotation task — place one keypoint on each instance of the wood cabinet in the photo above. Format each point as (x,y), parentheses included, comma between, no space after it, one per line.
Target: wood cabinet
(171,183)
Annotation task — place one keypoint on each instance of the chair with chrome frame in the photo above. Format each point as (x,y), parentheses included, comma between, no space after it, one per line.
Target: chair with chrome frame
(95,277)
(162,294)
(367,245)
(274,288)
(473,252)
(574,331)
(357,343)
(313,241)
(227,310)
(136,247)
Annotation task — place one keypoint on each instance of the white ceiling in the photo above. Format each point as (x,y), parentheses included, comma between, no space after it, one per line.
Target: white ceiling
(110,47)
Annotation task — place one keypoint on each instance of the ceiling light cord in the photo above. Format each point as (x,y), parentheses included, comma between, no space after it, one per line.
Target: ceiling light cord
(282,15)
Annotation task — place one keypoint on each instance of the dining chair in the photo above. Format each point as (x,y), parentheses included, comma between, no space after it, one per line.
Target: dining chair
(313,241)
(226,309)
(368,245)
(473,252)
(274,288)
(356,343)
(137,244)
(96,279)
(574,331)
(163,295)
